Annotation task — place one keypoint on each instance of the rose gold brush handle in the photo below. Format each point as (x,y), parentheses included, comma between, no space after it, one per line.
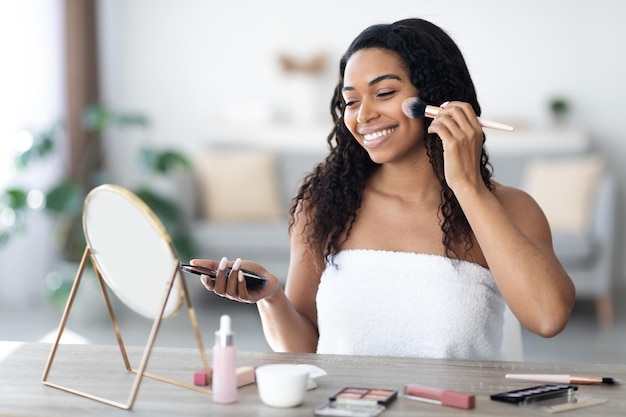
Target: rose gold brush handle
(564,379)
(431,111)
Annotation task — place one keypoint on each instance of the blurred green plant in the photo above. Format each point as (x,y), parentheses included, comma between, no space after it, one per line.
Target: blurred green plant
(43,145)
(163,162)
(559,106)
(64,200)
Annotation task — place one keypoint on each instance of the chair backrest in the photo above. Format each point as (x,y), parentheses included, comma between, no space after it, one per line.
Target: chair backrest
(512,345)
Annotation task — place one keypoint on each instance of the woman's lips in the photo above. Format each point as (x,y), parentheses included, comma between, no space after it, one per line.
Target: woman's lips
(375,138)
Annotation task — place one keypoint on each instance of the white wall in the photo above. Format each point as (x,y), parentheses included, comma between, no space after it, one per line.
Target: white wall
(31,97)
(194,64)
(185,61)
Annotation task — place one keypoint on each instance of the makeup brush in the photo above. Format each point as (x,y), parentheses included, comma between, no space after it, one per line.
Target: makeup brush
(565,379)
(415,108)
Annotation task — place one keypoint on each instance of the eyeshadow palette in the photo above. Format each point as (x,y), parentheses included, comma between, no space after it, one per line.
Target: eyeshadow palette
(357,402)
(380,396)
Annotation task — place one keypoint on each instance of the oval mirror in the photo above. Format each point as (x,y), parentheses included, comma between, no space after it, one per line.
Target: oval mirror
(132,250)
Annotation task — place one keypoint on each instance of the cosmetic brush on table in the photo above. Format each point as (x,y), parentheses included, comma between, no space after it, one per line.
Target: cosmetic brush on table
(565,379)
(415,108)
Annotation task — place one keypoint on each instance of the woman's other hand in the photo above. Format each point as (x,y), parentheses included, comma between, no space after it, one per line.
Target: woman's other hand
(232,284)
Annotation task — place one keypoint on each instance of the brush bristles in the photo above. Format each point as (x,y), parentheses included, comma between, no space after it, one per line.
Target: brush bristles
(610,381)
(414,108)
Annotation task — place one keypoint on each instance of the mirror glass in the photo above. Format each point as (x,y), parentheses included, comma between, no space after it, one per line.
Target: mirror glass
(132,250)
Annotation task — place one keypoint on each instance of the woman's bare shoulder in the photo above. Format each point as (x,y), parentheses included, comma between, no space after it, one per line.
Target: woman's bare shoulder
(517,202)
(502,191)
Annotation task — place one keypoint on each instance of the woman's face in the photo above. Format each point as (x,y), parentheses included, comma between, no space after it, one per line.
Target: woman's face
(376,83)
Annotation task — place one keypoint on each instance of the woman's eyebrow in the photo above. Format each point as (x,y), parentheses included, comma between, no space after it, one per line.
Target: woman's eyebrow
(375,81)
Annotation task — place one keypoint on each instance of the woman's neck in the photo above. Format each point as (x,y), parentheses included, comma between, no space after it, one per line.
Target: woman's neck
(406,180)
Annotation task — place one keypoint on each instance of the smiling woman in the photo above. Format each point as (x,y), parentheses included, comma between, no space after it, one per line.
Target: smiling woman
(401,242)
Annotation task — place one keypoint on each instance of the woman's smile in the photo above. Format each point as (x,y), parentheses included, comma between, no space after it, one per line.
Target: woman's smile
(375,138)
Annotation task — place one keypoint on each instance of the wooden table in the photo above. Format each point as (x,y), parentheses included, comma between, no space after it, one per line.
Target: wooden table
(100,368)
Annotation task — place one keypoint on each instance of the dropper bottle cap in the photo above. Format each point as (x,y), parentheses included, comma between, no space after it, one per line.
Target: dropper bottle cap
(224,336)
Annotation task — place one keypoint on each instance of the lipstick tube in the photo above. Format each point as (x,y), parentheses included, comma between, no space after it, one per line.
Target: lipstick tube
(447,398)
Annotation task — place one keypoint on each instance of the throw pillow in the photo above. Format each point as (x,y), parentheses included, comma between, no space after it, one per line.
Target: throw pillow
(564,187)
(239,185)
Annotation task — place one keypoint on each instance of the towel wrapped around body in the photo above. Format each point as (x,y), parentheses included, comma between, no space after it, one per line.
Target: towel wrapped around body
(385,303)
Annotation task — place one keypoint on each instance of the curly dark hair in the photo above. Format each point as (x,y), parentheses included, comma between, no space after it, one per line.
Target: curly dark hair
(332,192)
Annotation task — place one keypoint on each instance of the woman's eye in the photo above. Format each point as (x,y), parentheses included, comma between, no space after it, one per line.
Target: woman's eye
(350,103)
(386,93)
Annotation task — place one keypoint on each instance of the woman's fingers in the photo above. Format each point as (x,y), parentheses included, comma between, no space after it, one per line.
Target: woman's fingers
(219,286)
(461,135)
(456,119)
(242,288)
(207,282)
(231,281)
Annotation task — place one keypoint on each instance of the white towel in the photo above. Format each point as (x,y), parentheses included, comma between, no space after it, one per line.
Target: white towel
(387,303)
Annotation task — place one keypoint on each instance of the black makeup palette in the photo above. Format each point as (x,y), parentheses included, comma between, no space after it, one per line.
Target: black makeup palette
(357,402)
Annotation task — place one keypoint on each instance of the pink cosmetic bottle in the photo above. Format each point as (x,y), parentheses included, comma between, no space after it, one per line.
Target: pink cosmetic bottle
(224,364)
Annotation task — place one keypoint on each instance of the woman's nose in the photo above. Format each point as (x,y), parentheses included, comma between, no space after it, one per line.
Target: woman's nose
(366,113)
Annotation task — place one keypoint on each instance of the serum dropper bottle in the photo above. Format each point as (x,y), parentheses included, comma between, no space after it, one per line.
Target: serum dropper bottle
(224,364)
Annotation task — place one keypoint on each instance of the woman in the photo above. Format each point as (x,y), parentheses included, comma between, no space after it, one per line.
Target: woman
(401,243)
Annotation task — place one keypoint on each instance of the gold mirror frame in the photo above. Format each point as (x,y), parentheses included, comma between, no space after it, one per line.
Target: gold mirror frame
(169,300)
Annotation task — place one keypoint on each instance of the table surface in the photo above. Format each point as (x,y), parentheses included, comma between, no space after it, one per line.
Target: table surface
(100,370)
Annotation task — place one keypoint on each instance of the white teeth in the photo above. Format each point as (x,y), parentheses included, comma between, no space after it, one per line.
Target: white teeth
(376,135)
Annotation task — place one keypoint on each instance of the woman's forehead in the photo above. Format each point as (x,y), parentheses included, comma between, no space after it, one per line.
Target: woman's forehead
(368,64)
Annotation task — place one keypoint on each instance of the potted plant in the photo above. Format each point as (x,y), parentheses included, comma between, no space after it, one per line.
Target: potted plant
(64,199)
(559,107)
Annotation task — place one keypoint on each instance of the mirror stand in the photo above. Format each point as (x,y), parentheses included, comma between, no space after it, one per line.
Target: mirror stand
(141,370)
